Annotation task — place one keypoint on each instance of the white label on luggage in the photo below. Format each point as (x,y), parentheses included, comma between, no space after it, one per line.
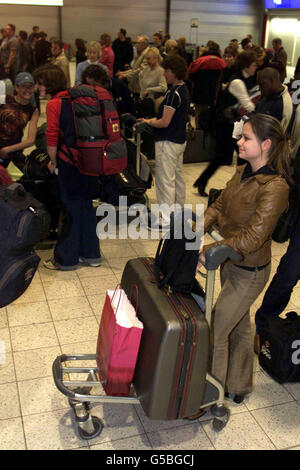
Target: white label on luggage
(2,353)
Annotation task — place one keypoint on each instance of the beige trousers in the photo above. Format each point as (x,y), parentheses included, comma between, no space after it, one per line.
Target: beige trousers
(232,359)
(170,184)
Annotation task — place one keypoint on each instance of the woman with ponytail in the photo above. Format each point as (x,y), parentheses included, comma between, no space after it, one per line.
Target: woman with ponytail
(246,213)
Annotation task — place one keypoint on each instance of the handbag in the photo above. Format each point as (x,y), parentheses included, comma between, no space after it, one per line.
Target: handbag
(118,343)
(200,146)
(280,348)
(286,222)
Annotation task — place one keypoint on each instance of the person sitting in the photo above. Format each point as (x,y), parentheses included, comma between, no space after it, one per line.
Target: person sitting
(93,57)
(246,213)
(15,114)
(79,243)
(276,100)
(107,54)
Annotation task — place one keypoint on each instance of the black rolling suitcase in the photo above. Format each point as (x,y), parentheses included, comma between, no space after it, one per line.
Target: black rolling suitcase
(173,358)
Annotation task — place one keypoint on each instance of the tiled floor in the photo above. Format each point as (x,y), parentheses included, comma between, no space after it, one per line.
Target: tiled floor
(60,313)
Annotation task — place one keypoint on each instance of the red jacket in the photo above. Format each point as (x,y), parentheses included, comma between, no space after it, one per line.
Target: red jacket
(53,111)
(207,62)
(108,58)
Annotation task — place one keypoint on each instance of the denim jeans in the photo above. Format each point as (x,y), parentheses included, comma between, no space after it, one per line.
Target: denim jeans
(281,287)
(81,238)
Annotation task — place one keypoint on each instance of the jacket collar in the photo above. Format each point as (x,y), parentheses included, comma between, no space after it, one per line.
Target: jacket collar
(261,178)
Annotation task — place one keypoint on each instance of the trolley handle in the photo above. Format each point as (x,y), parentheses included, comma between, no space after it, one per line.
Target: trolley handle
(57,375)
(217,255)
(142,126)
(127,118)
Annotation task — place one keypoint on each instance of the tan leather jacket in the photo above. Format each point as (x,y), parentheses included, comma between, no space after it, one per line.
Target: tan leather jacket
(247,212)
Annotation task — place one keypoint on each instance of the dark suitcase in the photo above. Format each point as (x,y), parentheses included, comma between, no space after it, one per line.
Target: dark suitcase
(200,146)
(173,358)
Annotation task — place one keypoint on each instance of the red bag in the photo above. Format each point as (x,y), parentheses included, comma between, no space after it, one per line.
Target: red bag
(100,149)
(118,345)
(5,179)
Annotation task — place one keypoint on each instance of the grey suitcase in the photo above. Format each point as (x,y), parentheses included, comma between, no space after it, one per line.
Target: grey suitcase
(173,357)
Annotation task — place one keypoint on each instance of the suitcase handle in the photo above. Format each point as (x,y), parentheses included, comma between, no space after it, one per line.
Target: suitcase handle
(217,255)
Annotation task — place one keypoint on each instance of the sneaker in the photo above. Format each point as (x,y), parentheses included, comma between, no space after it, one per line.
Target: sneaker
(51,264)
(93,264)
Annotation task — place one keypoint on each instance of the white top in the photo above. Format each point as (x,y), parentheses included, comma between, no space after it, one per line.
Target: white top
(238,89)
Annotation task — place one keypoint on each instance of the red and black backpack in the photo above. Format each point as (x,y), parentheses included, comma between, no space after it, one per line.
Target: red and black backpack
(99,149)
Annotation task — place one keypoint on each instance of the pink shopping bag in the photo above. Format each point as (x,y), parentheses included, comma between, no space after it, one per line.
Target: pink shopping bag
(118,343)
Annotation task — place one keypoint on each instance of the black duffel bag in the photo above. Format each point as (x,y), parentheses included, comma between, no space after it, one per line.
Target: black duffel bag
(280,348)
(24,222)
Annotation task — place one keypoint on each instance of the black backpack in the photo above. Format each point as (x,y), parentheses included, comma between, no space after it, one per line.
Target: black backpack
(24,222)
(280,348)
(175,265)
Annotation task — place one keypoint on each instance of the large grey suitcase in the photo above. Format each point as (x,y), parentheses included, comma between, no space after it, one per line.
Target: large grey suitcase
(173,357)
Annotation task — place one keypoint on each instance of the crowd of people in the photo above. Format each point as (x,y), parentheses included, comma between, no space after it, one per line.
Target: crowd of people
(157,81)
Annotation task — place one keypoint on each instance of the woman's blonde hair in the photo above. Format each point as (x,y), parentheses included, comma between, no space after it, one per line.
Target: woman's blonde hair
(94,45)
(266,127)
(153,52)
(171,46)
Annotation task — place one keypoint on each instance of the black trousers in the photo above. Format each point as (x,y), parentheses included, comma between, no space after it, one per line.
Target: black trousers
(225,145)
(281,287)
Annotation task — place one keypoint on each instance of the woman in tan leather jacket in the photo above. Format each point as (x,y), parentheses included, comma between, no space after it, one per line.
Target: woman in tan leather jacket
(246,213)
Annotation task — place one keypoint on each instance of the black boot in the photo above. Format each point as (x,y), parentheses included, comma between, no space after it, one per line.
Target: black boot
(201,190)
(201,187)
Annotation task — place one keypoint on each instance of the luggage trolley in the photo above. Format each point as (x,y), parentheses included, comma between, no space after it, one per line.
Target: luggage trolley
(79,391)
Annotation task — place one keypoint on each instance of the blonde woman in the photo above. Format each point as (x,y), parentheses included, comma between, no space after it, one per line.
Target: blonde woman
(152,81)
(93,57)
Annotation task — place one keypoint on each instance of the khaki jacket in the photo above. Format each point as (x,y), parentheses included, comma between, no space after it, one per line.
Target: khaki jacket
(62,62)
(132,75)
(247,212)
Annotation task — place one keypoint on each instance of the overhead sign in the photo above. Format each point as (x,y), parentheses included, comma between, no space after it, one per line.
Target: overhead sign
(195,23)
(41,3)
